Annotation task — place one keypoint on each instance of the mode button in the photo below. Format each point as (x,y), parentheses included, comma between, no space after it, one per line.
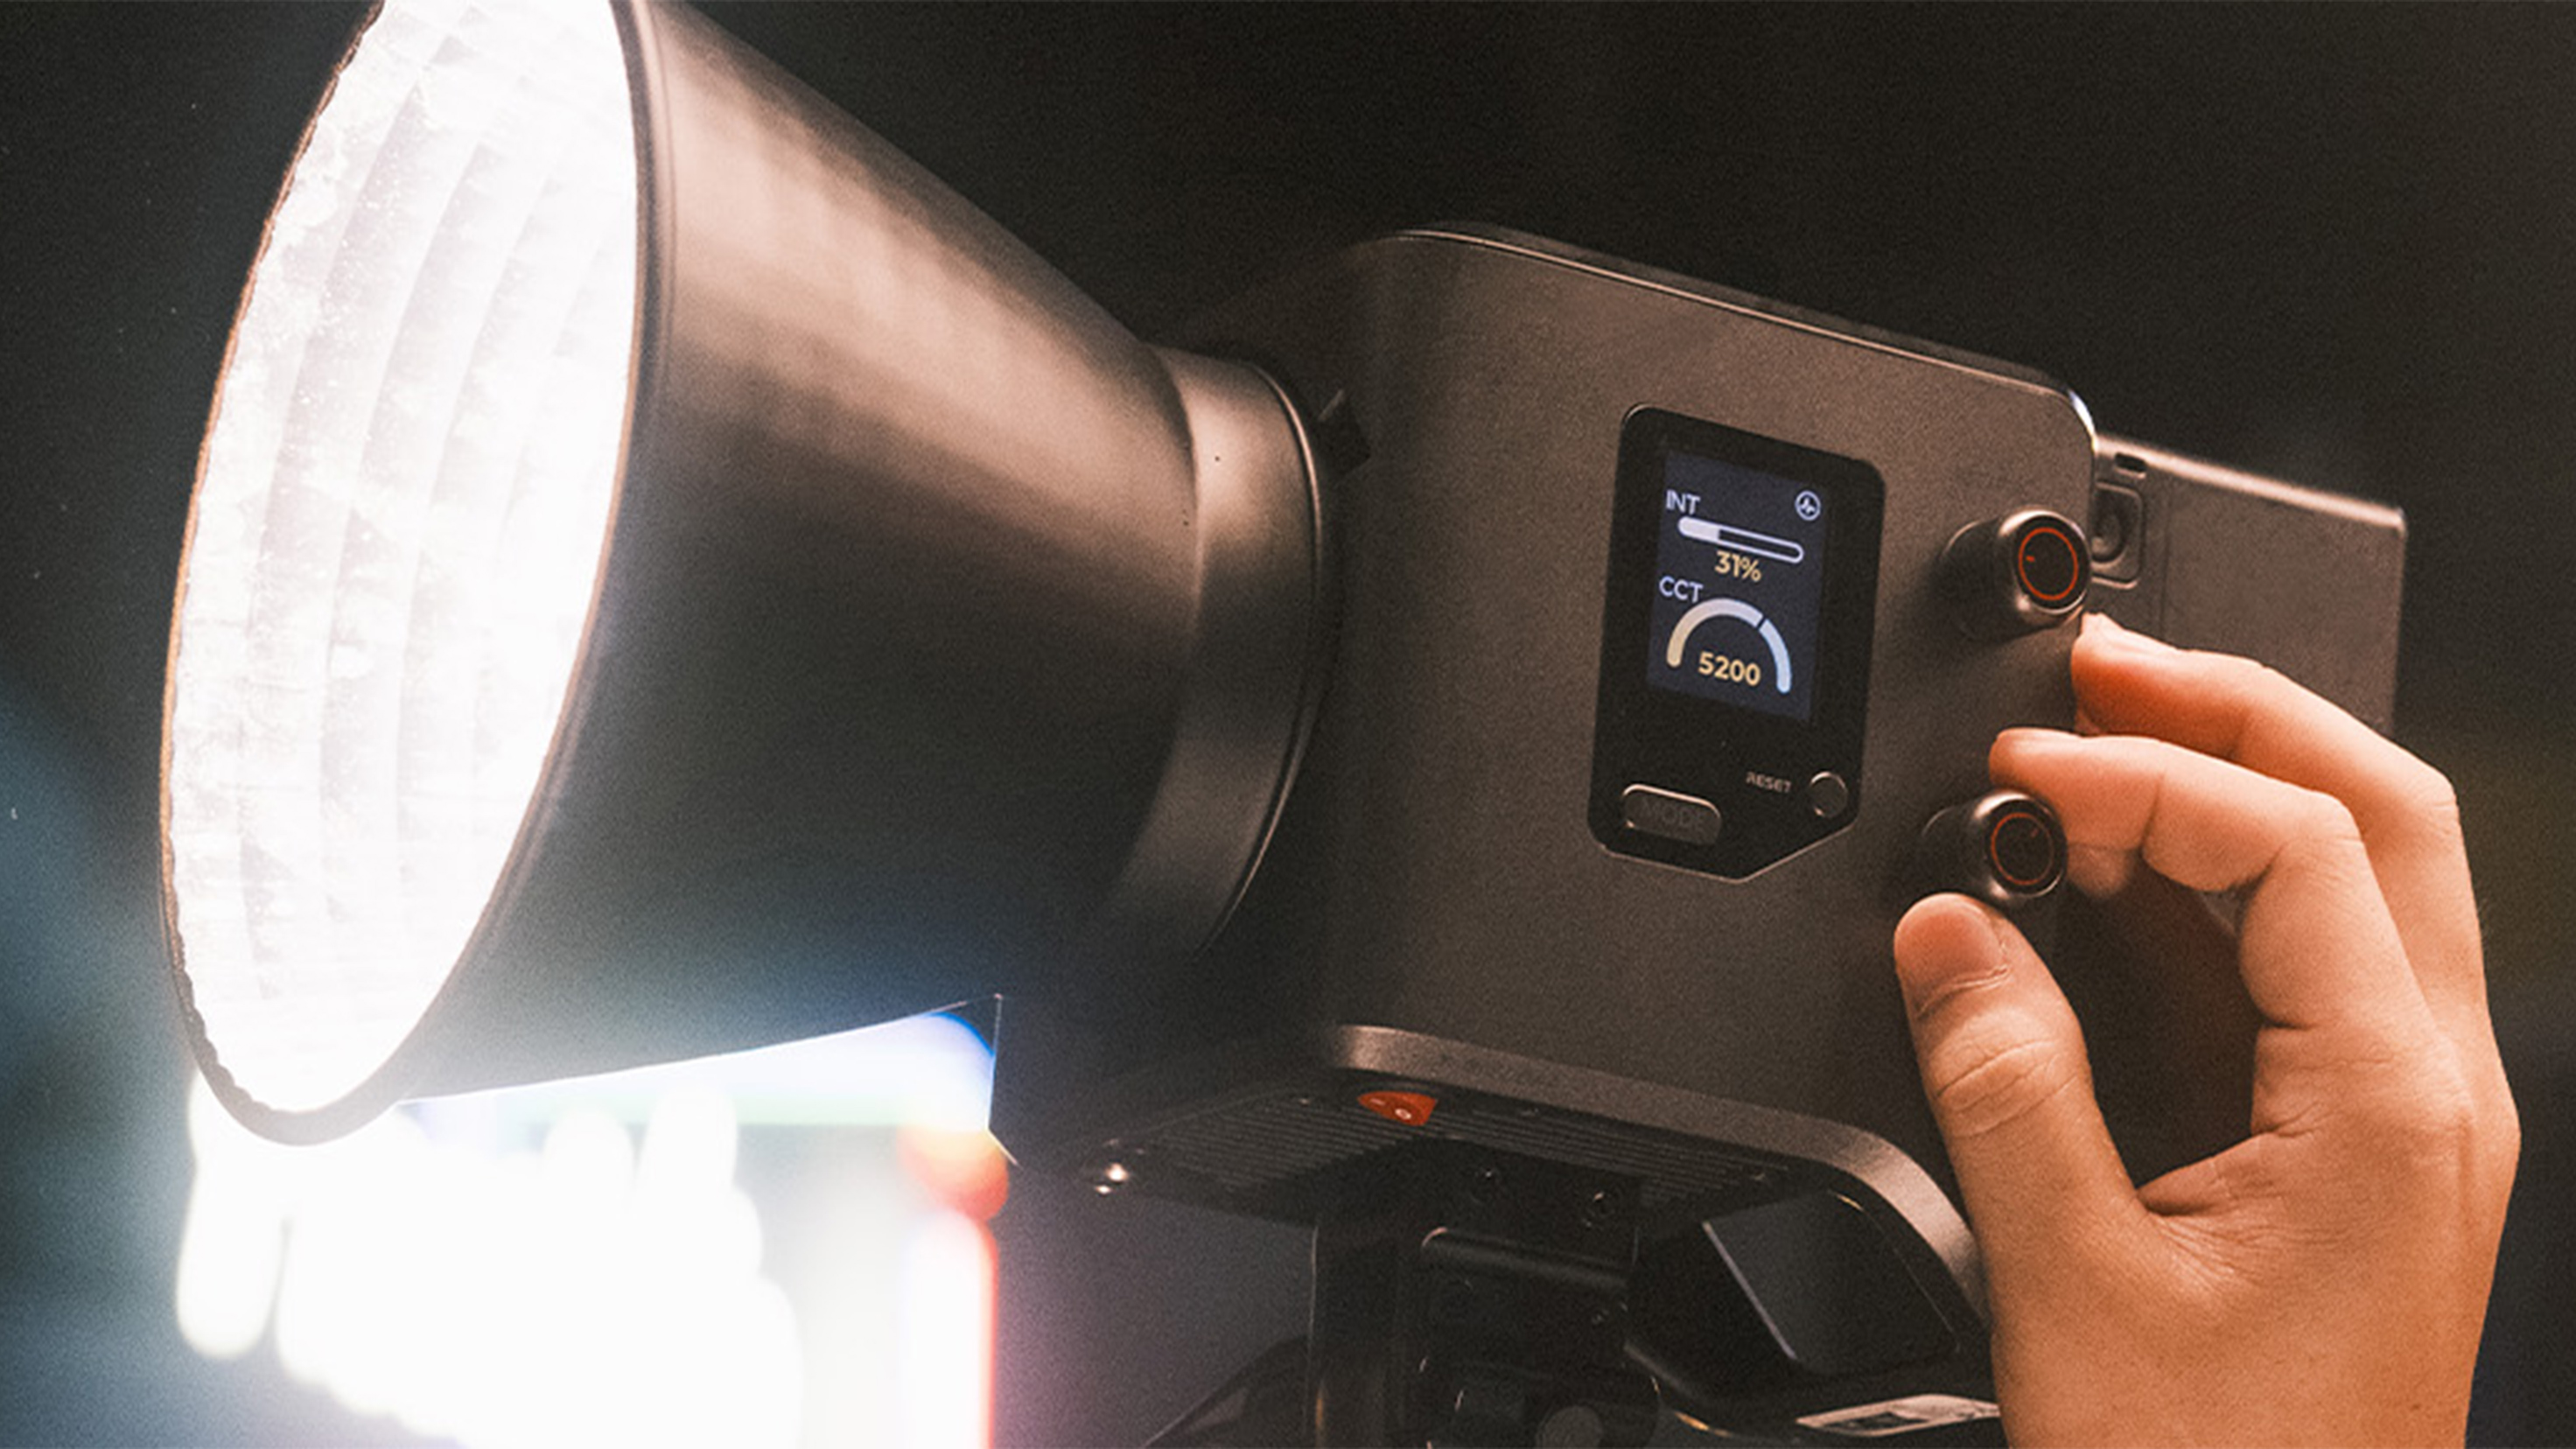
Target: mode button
(1685,818)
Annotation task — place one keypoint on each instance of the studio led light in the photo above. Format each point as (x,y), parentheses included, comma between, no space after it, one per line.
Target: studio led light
(667,576)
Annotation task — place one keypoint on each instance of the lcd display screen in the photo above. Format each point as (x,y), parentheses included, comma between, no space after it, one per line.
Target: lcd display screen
(1740,586)
(1735,644)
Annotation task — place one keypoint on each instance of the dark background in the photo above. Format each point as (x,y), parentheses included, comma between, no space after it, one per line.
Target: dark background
(2334,244)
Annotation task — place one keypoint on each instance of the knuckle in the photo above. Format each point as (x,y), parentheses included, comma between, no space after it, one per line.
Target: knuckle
(1987,1089)
(2443,1115)
(2504,1148)
(2425,795)
(2255,675)
(2435,1120)
(2254,690)
(2504,1135)
(2320,816)
(2498,1126)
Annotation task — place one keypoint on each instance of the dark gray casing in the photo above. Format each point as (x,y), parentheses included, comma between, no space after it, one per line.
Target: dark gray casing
(1432,911)
(1432,871)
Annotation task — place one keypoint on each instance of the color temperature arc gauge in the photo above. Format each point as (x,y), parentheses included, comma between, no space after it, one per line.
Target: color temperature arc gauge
(1743,612)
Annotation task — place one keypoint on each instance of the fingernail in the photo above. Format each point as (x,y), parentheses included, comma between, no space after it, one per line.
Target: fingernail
(1946,945)
(2034,737)
(2023,747)
(2103,630)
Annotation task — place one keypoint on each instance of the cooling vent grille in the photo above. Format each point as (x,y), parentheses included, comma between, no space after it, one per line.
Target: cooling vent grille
(1251,1151)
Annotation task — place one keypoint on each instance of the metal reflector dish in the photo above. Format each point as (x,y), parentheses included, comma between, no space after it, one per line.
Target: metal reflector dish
(668,576)
(398,528)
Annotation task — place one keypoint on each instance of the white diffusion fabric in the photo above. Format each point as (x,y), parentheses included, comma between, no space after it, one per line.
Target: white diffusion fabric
(397,529)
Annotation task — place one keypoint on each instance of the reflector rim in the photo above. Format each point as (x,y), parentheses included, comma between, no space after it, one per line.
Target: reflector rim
(396,1075)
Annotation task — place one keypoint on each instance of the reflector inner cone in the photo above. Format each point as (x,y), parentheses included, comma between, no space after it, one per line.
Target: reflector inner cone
(397,530)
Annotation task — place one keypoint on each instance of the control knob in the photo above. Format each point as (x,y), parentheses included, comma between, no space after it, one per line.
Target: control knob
(2004,847)
(2017,574)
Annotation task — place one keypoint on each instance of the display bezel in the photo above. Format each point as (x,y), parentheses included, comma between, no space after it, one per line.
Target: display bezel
(1757,769)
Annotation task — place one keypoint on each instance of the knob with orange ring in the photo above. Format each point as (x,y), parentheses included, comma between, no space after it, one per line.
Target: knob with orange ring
(2017,574)
(2005,847)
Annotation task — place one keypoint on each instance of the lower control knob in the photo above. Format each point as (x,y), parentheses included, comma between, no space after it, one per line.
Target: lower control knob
(2004,847)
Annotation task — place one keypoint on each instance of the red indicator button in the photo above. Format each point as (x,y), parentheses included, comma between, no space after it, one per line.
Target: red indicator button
(1410,1108)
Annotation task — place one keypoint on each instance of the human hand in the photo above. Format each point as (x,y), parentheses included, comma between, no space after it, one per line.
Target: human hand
(2325,1278)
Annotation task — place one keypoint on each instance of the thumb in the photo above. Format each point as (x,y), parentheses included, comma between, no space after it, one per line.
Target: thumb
(2003,1063)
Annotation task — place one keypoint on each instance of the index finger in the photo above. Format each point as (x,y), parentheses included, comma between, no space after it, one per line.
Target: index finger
(2237,710)
(2317,951)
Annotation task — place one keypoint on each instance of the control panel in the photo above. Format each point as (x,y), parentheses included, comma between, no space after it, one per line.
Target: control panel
(1735,651)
